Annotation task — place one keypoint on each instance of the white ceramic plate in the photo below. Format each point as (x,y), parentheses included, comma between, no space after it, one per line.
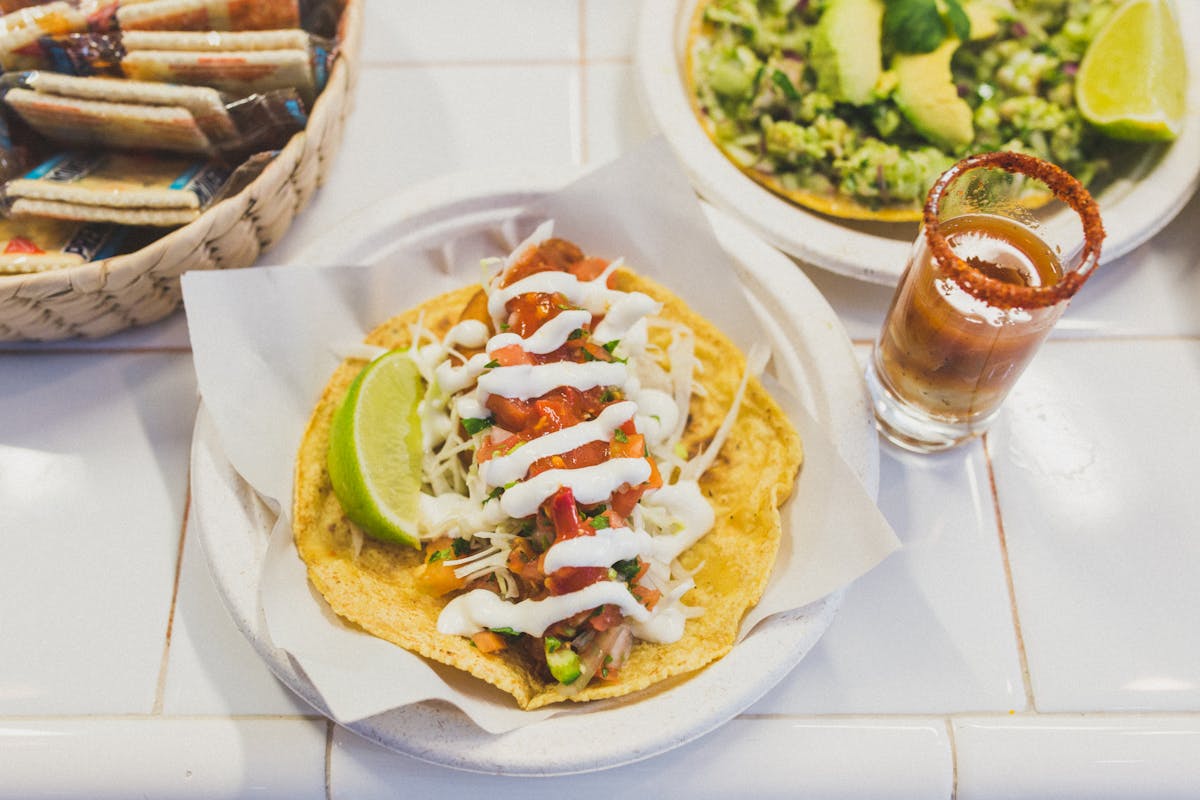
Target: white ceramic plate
(809,343)
(1134,208)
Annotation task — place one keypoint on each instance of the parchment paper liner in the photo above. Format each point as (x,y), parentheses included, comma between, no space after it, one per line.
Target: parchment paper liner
(264,341)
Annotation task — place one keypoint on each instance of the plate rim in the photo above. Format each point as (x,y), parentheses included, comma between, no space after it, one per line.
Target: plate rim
(1141,211)
(442,193)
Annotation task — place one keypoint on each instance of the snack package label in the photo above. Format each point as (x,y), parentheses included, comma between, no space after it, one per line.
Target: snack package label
(203,180)
(64,168)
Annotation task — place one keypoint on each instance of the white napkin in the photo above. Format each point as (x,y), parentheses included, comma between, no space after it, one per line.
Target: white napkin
(263,343)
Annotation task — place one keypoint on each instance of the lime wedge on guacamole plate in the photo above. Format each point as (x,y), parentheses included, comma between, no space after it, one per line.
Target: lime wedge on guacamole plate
(1132,83)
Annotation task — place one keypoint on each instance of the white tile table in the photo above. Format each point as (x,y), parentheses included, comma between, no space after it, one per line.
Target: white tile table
(1037,636)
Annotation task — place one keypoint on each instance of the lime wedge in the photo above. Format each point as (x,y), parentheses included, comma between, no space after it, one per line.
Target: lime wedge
(1133,80)
(375,449)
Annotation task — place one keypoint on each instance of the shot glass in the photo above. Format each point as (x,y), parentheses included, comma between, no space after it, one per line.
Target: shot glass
(1006,241)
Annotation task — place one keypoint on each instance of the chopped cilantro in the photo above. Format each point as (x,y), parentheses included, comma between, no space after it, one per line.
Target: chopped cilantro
(440,555)
(491,364)
(627,569)
(505,631)
(780,79)
(610,346)
(476,424)
(578,333)
(620,436)
(587,355)
(461,546)
(598,522)
(917,26)
(494,494)
(597,511)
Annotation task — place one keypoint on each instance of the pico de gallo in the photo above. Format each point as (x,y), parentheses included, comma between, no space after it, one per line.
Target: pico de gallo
(557,493)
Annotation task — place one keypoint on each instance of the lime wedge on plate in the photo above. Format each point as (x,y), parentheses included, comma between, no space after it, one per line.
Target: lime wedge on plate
(375,449)
(1132,82)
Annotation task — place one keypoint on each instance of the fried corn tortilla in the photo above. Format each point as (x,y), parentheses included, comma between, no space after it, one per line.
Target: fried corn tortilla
(752,476)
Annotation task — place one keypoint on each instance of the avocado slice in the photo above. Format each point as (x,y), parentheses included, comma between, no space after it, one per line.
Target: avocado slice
(927,97)
(985,17)
(846,50)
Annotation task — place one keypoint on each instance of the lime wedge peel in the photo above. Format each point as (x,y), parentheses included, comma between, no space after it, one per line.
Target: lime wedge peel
(375,449)
(1132,82)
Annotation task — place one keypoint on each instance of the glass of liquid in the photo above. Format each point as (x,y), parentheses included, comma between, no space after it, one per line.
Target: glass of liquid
(1006,241)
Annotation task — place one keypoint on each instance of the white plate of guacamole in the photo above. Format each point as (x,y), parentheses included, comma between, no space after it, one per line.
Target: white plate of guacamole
(885,155)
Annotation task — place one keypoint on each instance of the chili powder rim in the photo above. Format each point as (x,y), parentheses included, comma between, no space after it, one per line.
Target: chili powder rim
(991,290)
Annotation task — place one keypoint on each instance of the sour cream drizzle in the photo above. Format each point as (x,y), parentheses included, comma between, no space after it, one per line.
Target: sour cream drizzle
(549,337)
(525,381)
(655,414)
(605,548)
(593,484)
(477,609)
(503,470)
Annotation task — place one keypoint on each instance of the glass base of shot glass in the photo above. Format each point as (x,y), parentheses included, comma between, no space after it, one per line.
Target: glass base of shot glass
(911,428)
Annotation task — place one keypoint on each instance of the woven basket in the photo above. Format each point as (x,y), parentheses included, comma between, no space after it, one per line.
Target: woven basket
(102,297)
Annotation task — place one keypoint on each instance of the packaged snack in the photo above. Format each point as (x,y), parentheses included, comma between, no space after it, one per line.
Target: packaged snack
(111,112)
(85,123)
(239,63)
(235,72)
(149,115)
(111,187)
(265,121)
(21,30)
(217,41)
(206,15)
(39,244)
(82,54)
(321,17)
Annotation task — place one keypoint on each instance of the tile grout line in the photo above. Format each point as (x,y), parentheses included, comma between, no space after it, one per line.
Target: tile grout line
(328,759)
(953,758)
(160,689)
(114,717)
(94,351)
(1022,656)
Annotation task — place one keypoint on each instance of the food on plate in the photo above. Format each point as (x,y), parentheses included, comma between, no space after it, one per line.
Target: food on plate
(1133,81)
(854,107)
(601,476)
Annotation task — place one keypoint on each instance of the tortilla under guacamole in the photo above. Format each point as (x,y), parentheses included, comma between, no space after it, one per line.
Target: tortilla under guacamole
(828,105)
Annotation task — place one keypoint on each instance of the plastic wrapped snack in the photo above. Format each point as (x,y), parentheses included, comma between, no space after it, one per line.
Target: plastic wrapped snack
(206,15)
(132,115)
(40,244)
(142,189)
(21,30)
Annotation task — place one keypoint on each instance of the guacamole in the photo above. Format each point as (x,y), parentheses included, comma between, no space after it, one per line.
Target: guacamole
(822,102)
